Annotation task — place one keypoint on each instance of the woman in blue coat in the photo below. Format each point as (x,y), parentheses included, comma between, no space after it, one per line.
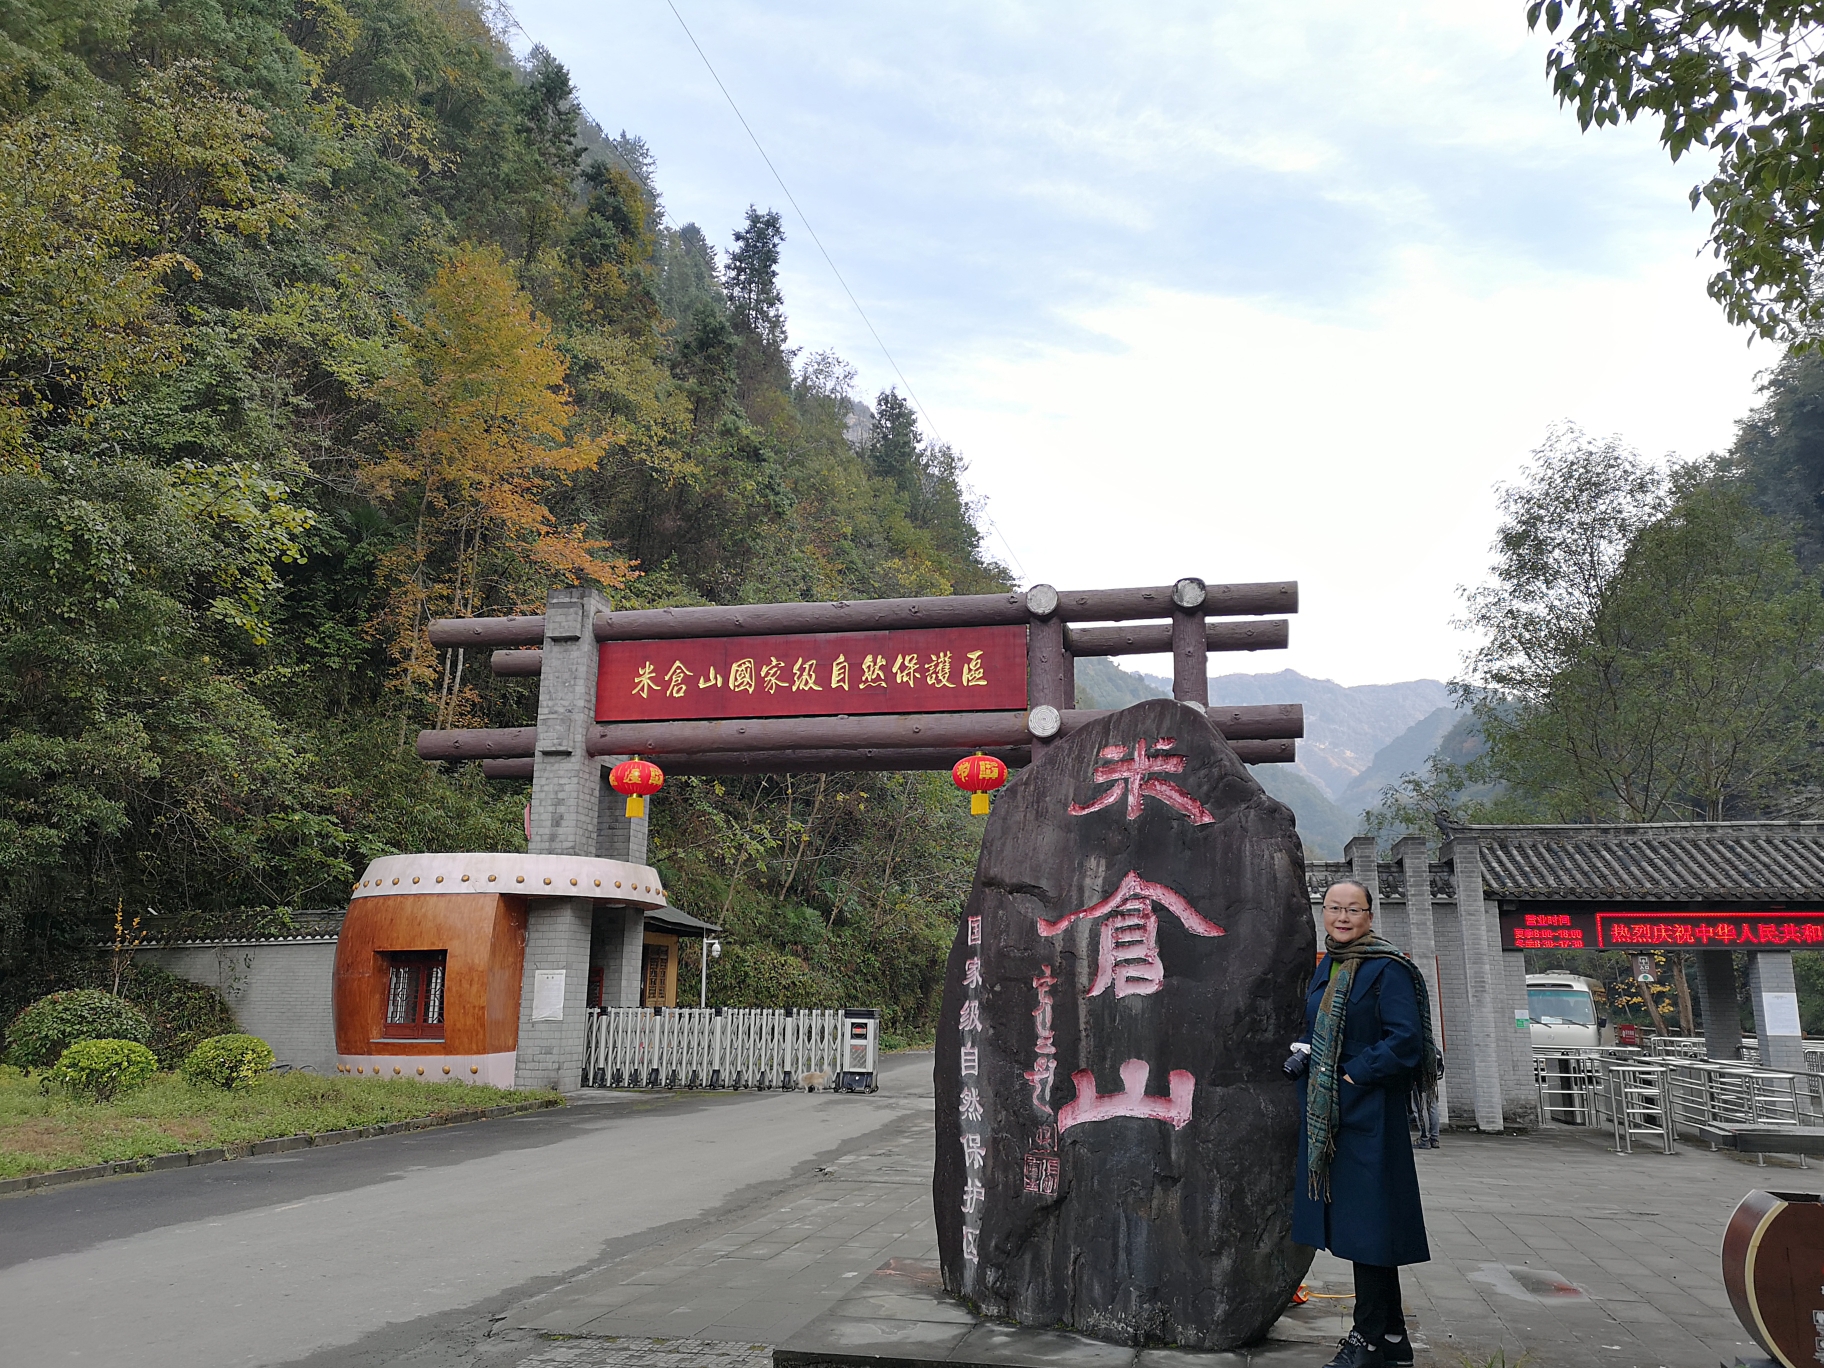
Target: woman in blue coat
(1368,1044)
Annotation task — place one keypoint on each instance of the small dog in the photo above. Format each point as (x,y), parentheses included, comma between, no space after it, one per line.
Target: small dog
(813,1081)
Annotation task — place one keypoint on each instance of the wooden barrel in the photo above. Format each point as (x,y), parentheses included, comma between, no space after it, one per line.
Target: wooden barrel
(1773,1266)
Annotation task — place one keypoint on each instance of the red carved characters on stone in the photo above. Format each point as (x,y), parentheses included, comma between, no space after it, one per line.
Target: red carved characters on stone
(1129,958)
(1045,1051)
(1133,777)
(1041,1166)
(1137,892)
(1132,1100)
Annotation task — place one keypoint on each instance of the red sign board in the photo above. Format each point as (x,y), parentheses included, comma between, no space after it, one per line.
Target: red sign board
(1662,930)
(921,670)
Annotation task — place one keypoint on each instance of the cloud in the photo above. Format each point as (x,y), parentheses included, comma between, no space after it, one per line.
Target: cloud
(1244,291)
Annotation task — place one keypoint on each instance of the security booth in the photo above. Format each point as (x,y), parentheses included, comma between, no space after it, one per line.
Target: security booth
(439,973)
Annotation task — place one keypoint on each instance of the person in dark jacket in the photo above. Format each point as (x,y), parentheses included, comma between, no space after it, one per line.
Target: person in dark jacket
(1368,1044)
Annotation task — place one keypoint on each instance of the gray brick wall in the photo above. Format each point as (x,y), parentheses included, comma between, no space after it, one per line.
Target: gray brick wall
(1770,971)
(1476,988)
(566,780)
(1421,932)
(279,991)
(619,934)
(618,836)
(1453,993)
(550,1053)
(1486,982)
(1519,1095)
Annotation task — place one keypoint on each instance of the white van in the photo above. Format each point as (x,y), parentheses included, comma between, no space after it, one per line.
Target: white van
(1563,1010)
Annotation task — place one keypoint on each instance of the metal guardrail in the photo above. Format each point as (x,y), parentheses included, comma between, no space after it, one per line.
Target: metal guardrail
(715,1047)
(1652,1097)
(1748,1052)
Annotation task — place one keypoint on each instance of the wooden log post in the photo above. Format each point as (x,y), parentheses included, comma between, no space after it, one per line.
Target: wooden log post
(1051,676)
(1190,664)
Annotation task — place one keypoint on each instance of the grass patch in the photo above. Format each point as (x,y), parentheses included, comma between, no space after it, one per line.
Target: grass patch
(39,1134)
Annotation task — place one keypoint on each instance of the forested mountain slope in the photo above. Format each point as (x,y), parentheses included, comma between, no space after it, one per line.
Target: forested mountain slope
(325,318)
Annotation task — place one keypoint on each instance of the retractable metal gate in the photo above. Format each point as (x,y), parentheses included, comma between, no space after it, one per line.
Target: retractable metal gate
(716,1047)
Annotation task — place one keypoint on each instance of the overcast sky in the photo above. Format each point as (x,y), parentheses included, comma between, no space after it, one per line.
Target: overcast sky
(1225,290)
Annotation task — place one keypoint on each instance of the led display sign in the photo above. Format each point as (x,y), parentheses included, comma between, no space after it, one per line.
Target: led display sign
(1658,929)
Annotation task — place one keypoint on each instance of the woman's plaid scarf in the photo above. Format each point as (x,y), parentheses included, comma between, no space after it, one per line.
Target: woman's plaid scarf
(1323,1103)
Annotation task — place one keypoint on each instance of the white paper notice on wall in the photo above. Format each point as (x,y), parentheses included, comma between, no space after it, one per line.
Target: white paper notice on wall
(548,995)
(1782,1013)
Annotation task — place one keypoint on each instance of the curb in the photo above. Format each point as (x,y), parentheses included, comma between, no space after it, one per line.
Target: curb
(157,1163)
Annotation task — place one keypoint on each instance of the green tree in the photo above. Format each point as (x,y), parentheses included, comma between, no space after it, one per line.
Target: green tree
(1779,449)
(757,310)
(1745,80)
(1649,645)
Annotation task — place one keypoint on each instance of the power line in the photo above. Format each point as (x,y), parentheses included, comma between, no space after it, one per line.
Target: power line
(831,261)
(804,219)
(504,9)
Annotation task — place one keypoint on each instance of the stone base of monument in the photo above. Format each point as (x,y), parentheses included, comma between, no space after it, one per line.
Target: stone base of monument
(899,1316)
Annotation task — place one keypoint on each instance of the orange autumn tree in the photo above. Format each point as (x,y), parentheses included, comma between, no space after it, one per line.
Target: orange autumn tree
(486,413)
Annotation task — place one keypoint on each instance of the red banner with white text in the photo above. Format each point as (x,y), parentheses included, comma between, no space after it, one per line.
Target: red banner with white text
(938,669)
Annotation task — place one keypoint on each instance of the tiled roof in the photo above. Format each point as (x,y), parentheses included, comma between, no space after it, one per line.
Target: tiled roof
(311,924)
(1676,861)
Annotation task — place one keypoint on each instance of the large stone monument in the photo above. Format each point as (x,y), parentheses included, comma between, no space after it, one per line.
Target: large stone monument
(1116,1138)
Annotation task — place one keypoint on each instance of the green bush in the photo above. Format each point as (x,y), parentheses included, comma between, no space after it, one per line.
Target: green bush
(98,1069)
(41,1033)
(228,1061)
(183,1014)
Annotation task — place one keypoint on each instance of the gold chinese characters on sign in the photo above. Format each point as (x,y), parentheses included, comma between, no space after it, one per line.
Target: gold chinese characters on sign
(923,670)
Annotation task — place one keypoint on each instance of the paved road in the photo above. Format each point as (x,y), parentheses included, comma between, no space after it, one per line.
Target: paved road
(685,1232)
(366,1252)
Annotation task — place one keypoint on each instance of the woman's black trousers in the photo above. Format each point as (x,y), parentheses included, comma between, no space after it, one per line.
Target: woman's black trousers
(1377,1302)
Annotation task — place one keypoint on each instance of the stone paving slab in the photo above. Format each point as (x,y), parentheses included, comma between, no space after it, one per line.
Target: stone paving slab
(1546,1245)
(899,1317)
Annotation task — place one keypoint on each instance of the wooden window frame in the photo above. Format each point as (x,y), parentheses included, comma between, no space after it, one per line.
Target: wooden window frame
(425,987)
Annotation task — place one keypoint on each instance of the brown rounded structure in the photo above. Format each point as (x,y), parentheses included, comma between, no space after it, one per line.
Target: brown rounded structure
(1773,1249)
(429,971)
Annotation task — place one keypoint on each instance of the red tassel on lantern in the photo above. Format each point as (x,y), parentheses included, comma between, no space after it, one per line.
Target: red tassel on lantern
(978,775)
(636,778)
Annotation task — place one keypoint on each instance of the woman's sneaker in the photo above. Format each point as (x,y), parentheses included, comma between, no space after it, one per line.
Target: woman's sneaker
(1356,1352)
(1396,1350)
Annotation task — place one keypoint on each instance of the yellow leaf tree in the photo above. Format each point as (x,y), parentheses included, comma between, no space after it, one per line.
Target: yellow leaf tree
(487,416)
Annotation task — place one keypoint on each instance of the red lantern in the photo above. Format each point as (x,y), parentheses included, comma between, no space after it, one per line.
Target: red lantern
(978,775)
(636,778)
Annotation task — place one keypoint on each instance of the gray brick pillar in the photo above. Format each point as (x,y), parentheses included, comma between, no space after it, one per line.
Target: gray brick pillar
(620,932)
(1365,869)
(618,836)
(623,932)
(1421,933)
(1776,1009)
(1486,983)
(1716,999)
(566,810)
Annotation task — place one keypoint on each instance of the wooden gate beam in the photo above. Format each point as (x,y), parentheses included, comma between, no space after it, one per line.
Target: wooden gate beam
(1147,638)
(736,764)
(862,615)
(902,731)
